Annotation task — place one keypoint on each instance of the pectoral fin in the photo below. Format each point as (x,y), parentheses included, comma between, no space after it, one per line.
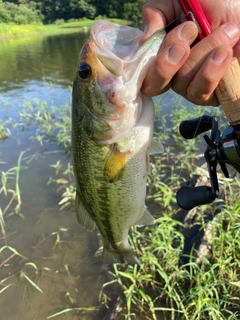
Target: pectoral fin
(114,166)
(82,215)
(145,219)
(156,148)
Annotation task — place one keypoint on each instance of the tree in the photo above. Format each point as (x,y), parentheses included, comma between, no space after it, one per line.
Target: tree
(4,15)
(132,10)
(19,14)
(51,10)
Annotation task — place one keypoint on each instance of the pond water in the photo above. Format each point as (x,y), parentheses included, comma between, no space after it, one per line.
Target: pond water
(47,238)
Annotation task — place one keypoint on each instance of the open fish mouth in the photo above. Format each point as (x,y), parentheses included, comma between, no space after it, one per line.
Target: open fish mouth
(118,40)
(118,48)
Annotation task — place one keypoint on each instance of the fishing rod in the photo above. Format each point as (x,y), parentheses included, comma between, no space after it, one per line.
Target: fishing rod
(222,148)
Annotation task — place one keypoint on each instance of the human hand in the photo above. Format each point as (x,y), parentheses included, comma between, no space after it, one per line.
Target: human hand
(198,71)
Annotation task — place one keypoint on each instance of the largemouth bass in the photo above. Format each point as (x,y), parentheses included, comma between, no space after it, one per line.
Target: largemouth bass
(112,129)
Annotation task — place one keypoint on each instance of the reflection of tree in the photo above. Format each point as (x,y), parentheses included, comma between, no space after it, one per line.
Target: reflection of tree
(50,58)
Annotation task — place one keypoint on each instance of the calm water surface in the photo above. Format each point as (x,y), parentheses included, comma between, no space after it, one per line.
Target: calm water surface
(69,275)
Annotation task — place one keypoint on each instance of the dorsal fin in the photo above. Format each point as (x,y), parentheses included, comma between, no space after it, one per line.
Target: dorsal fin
(145,219)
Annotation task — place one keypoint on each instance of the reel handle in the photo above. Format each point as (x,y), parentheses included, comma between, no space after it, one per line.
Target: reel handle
(190,197)
(190,129)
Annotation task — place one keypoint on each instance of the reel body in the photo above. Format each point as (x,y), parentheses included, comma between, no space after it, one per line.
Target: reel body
(221,149)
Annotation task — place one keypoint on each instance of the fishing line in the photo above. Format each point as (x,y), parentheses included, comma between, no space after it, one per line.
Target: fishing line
(179,19)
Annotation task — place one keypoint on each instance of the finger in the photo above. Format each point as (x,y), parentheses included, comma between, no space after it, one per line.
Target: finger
(227,34)
(173,52)
(201,89)
(157,14)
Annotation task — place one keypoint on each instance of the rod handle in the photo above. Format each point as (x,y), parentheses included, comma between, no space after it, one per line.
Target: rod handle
(228,93)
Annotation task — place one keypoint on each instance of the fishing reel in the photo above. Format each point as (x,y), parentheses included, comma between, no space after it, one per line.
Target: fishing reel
(221,149)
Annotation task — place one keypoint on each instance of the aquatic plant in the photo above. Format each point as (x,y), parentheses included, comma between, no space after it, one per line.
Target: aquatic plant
(4,131)
(10,190)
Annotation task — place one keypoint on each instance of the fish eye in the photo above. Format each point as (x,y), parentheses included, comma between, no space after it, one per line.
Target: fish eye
(84,71)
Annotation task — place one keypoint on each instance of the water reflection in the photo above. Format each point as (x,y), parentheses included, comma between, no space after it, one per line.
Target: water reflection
(39,58)
(38,66)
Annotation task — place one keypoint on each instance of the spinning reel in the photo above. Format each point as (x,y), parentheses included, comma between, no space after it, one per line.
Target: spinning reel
(221,149)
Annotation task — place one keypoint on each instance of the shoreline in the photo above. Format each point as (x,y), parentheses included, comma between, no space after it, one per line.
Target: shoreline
(22,35)
(10,31)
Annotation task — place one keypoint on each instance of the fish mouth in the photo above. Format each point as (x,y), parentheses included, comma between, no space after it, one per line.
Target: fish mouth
(114,45)
(119,49)
(119,65)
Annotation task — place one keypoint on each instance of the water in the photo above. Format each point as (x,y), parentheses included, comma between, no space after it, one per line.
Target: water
(67,273)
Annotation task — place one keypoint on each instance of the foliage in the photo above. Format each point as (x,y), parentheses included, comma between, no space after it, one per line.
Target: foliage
(19,14)
(25,11)
(132,10)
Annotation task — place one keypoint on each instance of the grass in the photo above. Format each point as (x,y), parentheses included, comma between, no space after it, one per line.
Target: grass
(167,284)
(162,287)
(4,131)
(12,195)
(12,30)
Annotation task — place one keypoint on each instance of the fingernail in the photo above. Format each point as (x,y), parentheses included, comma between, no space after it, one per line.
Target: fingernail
(176,53)
(220,56)
(231,30)
(189,32)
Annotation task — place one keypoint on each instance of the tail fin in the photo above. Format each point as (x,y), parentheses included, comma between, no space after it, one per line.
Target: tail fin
(127,257)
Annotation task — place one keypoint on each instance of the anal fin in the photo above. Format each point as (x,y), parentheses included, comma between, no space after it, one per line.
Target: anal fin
(82,214)
(145,219)
(156,147)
